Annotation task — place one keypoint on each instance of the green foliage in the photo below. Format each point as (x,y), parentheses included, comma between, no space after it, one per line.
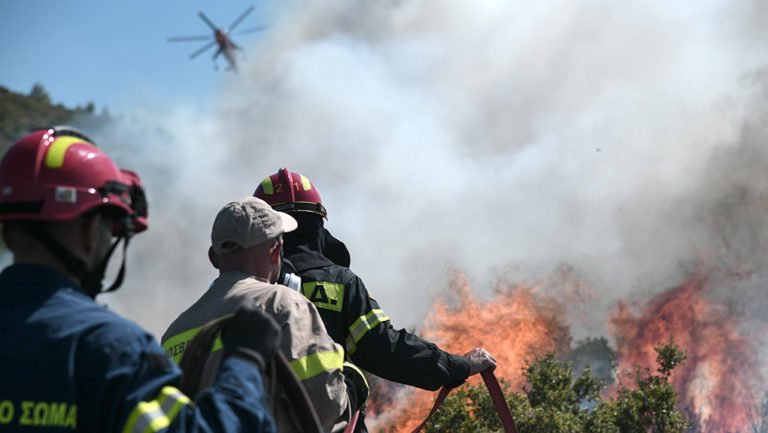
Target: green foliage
(39,93)
(555,401)
(649,405)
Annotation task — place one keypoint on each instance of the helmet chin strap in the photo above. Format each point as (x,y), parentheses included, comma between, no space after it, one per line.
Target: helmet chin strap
(98,273)
(91,281)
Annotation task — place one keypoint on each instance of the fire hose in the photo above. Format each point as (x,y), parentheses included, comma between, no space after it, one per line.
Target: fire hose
(497,395)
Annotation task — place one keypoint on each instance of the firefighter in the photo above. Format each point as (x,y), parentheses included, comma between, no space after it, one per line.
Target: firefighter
(69,364)
(351,315)
(246,245)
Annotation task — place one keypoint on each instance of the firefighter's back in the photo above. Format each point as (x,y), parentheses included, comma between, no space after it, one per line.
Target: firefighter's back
(62,352)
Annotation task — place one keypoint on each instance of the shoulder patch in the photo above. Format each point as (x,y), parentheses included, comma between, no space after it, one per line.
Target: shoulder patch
(324,294)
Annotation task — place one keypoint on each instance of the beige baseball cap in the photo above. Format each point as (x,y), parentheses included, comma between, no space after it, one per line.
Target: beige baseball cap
(248,222)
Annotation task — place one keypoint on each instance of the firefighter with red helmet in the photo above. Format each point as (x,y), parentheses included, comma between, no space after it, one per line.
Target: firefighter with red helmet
(351,315)
(69,364)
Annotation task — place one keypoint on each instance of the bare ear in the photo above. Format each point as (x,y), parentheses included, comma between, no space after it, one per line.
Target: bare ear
(275,260)
(213,257)
(274,253)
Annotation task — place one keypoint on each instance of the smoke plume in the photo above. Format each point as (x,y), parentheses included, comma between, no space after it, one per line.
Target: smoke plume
(502,139)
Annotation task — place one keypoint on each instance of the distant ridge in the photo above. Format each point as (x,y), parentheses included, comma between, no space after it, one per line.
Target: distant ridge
(21,113)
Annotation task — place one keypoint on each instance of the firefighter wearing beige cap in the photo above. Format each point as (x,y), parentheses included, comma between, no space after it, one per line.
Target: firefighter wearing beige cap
(246,243)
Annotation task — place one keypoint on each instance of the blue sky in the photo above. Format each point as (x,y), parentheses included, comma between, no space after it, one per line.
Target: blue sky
(115,53)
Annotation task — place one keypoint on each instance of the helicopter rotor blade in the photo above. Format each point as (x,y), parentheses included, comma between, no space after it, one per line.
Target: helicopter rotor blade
(241,17)
(207,21)
(189,38)
(204,48)
(251,30)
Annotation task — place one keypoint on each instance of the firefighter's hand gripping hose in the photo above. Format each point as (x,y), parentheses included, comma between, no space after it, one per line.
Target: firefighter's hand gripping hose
(480,360)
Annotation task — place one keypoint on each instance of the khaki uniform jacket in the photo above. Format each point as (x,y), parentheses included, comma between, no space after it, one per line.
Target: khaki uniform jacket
(314,357)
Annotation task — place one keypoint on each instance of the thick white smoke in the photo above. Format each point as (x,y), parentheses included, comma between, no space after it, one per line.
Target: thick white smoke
(496,138)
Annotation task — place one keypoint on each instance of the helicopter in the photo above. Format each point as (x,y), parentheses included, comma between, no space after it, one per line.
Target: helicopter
(221,36)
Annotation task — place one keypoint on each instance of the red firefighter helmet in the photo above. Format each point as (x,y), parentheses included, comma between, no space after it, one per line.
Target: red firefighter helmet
(290,192)
(58,174)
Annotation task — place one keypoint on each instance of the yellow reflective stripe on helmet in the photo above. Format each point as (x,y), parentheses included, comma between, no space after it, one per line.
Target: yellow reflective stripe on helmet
(266,186)
(305,183)
(54,158)
(155,415)
(362,325)
(316,363)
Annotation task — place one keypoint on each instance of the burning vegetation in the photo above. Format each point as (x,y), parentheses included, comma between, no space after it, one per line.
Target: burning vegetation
(680,364)
(720,385)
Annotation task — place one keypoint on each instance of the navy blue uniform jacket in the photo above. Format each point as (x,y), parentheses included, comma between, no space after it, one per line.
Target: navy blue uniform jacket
(69,364)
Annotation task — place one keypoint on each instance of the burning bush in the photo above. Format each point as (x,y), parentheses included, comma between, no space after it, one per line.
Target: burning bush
(720,388)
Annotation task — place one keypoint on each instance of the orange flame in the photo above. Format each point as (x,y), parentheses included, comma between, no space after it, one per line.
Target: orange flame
(716,381)
(718,384)
(514,326)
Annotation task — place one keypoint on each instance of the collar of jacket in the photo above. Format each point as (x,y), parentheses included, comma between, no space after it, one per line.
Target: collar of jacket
(304,258)
(238,275)
(43,280)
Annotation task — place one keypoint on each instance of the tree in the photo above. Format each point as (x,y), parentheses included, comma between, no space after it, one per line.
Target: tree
(555,401)
(39,93)
(650,405)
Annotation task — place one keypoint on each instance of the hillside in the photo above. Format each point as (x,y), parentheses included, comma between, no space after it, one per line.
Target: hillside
(20,113)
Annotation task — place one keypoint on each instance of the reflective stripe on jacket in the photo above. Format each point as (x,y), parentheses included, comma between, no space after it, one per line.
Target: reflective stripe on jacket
(314,357)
